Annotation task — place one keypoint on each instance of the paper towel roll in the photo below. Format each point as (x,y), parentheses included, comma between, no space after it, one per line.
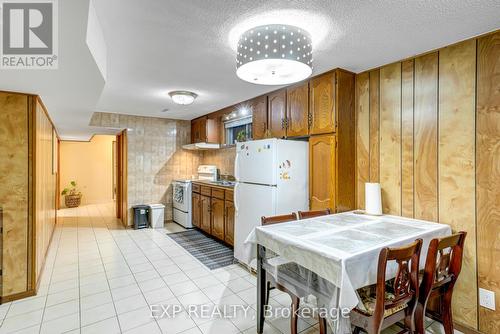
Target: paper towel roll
(373,199)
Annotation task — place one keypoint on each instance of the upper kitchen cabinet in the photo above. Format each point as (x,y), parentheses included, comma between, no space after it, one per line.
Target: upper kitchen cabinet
(322,104)
(259,122)
(205,130)
(276,103)
(331,97)
(297,111)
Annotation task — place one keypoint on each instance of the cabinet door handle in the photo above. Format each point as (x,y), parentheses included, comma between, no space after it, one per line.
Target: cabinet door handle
(282,123)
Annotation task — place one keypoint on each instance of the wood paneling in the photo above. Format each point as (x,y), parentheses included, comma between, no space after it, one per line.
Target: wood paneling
(374,125)
(457,163)
(322,104)
(488,175)
(450,157)
(362,137)
(426,127)
(407,80)
(276,103)
(390,138)
(14,178)
(322,177)
(259,122)
(297,110)
(45,186)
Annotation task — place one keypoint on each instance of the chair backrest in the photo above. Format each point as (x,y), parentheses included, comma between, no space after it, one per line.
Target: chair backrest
(443,264)
(278,219)
(405,286)
(312,214)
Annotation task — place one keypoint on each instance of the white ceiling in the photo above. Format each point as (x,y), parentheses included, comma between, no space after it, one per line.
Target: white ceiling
(155,46)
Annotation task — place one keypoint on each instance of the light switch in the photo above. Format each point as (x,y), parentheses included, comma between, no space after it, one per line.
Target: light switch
(487,298)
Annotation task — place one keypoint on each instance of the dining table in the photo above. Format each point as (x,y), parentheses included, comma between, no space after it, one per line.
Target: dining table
(334,255)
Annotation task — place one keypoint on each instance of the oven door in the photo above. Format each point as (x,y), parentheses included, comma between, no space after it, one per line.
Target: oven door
(181,196)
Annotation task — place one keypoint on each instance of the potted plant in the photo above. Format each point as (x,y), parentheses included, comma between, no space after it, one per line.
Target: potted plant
(72,196)
(241,136)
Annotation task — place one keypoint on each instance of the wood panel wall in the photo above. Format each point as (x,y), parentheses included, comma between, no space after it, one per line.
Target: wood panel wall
(434,145)
(14,194)
(45,186)
(488,175)
(28,192)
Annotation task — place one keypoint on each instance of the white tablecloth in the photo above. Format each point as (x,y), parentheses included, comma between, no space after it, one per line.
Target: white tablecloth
(343,248)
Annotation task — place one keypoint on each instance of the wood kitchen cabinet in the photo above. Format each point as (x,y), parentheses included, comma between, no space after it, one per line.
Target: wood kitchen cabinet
(229,222)
(213,211)
(196,206)
(205,130)
(217,218)
(276,106)
(331,156)
(297,111)
(322,104)
(259,122)
(206,214)
(322,172)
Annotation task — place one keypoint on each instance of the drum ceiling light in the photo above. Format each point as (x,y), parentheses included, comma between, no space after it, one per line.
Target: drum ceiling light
(274,54)
(182,97)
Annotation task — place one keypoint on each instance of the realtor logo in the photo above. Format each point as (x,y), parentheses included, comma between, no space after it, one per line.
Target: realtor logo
(29,34)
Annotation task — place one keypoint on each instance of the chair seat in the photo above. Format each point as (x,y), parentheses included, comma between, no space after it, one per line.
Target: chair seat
(368,297)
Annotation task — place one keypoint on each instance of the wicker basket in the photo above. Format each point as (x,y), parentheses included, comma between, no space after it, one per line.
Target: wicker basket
(72,201)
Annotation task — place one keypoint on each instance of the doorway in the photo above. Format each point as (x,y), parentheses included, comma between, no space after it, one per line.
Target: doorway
(97,170)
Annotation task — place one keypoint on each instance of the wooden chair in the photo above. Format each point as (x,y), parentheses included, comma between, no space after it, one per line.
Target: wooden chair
(440,274)
(295,299)
(389,302)
(315,213)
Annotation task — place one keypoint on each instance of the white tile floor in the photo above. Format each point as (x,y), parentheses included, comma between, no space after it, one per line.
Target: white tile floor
(102,278)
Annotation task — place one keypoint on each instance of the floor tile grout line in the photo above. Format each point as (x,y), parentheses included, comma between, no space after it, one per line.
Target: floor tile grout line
(107,280)
(100,214)
(199,288)
(50,278)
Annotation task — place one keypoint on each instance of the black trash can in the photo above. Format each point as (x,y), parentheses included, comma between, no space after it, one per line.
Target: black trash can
(141,216)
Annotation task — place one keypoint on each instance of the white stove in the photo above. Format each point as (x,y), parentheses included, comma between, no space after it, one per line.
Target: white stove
(182,195)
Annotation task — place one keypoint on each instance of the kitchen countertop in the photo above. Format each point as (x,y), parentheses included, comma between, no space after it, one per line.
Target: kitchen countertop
(214,184)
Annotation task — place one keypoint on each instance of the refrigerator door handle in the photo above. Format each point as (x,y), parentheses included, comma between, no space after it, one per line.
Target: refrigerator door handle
(236,168)
(236,187)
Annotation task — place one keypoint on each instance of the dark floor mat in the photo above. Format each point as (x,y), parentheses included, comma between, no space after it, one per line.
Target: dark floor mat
(210,252)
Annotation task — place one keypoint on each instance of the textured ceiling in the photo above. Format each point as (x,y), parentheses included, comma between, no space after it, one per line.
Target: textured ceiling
(155,46)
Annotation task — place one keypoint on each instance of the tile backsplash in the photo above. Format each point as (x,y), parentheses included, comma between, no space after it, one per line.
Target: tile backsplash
(222,158)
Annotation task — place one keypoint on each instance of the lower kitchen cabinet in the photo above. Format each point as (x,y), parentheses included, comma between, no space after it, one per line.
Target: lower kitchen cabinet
(218,218)
(196,210)
(229,222)
(206,213)
(213,211)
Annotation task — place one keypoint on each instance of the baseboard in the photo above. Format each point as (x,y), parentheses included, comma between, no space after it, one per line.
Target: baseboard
(465,329)
(16,296)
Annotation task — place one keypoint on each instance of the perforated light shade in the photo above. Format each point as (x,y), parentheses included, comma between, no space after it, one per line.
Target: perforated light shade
(274,54)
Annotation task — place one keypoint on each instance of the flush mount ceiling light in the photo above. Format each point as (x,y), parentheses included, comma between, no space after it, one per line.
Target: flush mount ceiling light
(274,54)
(182,97)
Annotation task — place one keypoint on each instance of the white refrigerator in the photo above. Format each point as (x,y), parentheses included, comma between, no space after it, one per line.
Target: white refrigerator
(271,179)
